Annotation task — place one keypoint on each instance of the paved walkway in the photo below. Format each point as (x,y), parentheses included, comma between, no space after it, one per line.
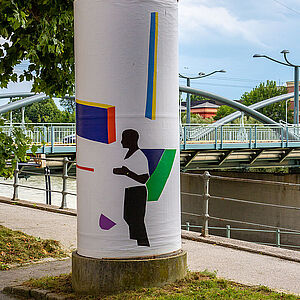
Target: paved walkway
(240,266)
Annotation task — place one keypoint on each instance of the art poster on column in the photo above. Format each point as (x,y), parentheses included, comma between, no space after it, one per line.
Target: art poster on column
(126,55)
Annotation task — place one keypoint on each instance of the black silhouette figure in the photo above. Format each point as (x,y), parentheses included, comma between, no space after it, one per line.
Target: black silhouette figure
(136,196)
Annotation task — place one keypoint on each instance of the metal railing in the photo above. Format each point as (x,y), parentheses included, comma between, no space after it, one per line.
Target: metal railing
(234,133)
(64,134)
(206,196)
(66,164)
(51,134)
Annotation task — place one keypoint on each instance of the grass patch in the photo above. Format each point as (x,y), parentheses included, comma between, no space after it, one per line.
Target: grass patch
(199,285)
(17,247)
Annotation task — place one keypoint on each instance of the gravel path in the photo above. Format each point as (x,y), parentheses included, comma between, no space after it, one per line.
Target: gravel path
(237,265)
(39,223)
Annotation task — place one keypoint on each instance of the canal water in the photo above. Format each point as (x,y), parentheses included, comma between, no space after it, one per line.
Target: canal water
(40,196)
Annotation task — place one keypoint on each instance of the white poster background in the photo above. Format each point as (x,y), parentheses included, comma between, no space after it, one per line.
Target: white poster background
(111,51)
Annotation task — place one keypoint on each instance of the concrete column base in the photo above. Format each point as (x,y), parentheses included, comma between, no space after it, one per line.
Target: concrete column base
(93,276)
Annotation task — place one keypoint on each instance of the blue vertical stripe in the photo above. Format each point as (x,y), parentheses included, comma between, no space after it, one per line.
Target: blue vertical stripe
(151,66)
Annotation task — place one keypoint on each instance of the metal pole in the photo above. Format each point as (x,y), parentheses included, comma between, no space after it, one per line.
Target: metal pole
(286,112)
(52,139)
(188,103)
(278,238)
(46,183)
(206,197)
(23,115)
(16,183)
(64,188)
(296,96)
(49,186)
(45,139)
(11,114)
(188,226)
(228,231)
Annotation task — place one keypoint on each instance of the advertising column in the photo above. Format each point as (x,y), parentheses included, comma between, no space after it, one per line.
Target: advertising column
(126,54)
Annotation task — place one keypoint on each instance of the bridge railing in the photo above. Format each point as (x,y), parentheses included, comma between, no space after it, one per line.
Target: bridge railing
(52,133)
(58,133)
(235,133)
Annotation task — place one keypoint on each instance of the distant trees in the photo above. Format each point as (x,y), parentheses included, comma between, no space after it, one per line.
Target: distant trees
(196,119)
(44,112)
(68,104)
(263,91)
(223,111)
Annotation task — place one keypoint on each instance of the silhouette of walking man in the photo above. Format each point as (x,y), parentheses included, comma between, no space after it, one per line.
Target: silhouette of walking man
(136,168)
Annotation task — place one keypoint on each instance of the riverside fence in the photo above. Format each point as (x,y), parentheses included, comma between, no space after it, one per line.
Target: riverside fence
(200,218)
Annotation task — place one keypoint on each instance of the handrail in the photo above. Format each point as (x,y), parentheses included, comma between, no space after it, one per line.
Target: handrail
(64,192)
(228,229)
(207,196)
(231,133)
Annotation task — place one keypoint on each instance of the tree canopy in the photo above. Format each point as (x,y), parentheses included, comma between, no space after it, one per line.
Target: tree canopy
(265,91)
(40,32)
(13,148)
(42,112)
(261,92)
(223,111)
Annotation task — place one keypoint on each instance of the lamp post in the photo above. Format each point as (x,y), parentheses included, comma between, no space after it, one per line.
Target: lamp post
(296,80)
(188,83)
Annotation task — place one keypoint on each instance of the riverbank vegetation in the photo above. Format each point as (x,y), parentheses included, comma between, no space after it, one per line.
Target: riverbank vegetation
(18,248)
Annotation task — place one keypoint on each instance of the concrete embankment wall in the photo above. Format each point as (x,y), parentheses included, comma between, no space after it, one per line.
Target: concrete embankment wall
(256,192)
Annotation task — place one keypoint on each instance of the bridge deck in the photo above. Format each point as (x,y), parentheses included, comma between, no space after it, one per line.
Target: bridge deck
(202,146)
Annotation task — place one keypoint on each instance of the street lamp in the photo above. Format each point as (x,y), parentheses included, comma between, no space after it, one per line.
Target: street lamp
(296,80)
(188,83)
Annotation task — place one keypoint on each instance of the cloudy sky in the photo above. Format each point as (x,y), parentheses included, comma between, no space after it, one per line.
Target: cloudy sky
(224,34)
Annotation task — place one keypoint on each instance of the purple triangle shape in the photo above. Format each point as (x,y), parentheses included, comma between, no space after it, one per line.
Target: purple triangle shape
(105,223)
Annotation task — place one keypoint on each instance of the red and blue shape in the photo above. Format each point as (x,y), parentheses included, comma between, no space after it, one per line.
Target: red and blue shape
(95,121)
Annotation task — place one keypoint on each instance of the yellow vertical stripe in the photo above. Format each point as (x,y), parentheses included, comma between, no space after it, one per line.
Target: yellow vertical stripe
(155,69)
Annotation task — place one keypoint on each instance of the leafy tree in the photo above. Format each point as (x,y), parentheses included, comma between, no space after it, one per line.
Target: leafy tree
(43,112)
(262,92)
(223,111)
(265,91)
(13,149)
(68,104)
(40,32)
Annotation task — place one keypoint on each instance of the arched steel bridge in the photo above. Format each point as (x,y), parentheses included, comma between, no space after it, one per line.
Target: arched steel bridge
(213,146)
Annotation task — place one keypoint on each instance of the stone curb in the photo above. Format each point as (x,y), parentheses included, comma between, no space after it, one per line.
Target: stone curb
(32,293)
(40,206)
(285,254)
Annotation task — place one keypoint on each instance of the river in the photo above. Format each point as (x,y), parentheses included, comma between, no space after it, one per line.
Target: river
(40,196)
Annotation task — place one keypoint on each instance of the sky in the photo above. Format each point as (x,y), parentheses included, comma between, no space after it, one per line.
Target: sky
(224,34)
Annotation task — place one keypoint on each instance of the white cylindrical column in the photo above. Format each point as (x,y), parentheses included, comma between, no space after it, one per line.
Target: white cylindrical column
(126,55)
